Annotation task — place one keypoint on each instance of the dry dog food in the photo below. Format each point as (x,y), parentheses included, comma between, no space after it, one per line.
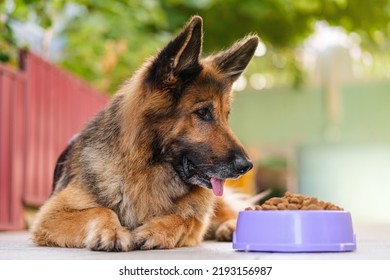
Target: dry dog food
(295,202)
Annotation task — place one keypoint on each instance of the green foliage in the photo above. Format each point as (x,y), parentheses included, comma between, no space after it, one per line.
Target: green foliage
(107,40)
(110,39)
(7,43)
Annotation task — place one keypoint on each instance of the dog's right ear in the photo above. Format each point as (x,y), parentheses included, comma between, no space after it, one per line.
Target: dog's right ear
(179,60)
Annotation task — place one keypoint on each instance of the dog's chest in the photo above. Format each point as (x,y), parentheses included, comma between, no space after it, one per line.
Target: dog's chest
(141,203)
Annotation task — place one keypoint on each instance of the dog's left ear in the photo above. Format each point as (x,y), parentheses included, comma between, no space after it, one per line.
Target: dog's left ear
(233,61)
(179,60)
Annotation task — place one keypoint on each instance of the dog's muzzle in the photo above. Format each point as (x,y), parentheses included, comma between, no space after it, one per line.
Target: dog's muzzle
(213,176)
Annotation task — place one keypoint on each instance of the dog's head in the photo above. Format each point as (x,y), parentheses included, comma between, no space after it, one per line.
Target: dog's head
(189,104)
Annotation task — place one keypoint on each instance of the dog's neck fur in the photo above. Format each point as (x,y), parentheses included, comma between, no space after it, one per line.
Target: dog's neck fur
(135,142)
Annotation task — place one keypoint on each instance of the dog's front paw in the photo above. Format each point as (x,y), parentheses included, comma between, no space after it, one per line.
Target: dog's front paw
(155,235)
(109,239)
(225,230)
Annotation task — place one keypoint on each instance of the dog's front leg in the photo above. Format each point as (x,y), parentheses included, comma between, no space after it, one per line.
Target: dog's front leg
(223,222)
(72,218)
(167,232)
(185,227)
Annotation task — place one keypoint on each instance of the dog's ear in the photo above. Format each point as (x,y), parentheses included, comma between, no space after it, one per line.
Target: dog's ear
(233,61)
(179,60)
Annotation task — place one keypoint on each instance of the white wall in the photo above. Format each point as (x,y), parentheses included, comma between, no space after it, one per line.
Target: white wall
(355,177)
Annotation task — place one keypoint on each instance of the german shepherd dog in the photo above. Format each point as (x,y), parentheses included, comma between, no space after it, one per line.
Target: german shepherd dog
(147,172)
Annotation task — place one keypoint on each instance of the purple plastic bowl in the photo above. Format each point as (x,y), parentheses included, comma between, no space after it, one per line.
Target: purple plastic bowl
(294,231)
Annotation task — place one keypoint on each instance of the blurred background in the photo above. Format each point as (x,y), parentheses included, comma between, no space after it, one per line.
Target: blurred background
(312,109)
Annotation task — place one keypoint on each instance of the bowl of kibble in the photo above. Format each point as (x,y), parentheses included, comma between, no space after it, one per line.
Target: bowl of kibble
(294,223)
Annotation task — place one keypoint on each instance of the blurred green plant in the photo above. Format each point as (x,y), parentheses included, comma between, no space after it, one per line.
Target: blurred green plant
(107,40)
(7,43)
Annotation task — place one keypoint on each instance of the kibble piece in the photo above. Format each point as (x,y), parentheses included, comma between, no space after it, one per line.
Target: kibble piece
(258,207)
(314,207)
(305,202)
(313,200)
(269,207)
(282,206)
(288,194)
(321,204)
(292,207)
(275,200)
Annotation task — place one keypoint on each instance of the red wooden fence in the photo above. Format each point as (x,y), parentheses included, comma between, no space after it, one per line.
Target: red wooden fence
(41,107)
(12,147)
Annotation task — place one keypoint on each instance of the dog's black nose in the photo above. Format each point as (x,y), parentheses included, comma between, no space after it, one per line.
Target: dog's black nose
(242,165)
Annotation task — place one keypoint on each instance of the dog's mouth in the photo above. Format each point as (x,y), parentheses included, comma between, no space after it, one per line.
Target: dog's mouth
(195,175)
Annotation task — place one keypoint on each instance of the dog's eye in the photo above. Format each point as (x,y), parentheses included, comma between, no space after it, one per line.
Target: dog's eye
(205,114)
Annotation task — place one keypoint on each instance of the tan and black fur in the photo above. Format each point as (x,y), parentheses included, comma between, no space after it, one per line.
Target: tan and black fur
(140,174)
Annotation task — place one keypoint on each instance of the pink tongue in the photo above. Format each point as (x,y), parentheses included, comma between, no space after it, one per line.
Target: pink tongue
(217,185)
